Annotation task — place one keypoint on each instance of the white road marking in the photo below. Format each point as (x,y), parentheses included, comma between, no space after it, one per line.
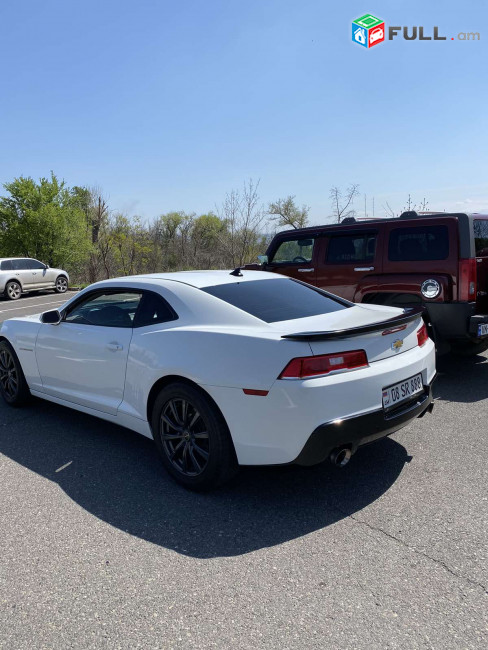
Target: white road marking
(64,466)
(28,306)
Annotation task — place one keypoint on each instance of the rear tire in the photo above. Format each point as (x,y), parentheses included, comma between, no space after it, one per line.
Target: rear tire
(192,438)
(13,290)
(13,386)
(61,285)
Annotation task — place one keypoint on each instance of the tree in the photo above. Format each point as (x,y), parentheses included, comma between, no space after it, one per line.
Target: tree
(415,207)
(390,213)
(206,234)
(95,208)
(342,201)
(130,244)
(42,220)
(243,218)
(286,213)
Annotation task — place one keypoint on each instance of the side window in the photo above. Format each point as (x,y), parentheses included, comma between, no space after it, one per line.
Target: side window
(109,309)
(481,237)
(17,265)
(350,249)
(24,264)
(35,265)
(419,243)
(294,251)
(7,265)
(153,309)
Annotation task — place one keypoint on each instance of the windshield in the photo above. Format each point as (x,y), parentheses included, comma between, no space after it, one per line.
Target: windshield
(277,300)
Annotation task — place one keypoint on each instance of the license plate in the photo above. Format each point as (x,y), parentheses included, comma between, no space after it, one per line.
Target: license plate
(402,392)
(483,329)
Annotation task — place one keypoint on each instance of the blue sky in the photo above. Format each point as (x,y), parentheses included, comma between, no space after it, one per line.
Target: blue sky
(169,104)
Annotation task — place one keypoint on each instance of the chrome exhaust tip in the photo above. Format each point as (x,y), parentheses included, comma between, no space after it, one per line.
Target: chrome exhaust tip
(340,457)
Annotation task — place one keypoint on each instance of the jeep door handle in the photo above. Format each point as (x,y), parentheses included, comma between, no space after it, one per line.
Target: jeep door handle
(364,268)
(305,270)
(114,347)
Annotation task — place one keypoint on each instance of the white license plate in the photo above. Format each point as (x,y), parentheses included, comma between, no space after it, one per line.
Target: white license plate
(483,329)
(402,392)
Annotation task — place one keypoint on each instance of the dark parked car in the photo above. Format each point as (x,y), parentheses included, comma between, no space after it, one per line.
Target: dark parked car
(437,260)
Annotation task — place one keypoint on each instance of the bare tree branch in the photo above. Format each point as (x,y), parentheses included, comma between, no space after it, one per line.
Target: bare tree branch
(341,202)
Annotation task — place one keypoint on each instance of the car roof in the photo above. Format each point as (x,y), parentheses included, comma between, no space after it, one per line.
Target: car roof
(374,222)
(201,279)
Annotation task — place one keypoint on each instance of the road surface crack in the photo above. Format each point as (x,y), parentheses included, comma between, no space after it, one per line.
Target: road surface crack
(440,563)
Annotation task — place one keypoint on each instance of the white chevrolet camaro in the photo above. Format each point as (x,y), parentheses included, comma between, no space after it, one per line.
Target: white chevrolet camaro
(226,368)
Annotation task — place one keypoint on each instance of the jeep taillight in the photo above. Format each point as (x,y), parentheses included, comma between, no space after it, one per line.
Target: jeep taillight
(323,364)
(422,335)
(467,280)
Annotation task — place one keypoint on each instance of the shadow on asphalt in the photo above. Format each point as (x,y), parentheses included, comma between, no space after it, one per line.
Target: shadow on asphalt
(462,379)
(116,476)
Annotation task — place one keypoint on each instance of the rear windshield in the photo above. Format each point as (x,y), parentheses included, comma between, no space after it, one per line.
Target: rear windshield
(276,300)
(418,244)
(481,237)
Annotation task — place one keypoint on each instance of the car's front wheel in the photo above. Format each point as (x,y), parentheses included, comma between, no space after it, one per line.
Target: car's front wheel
(61,285)
(192,438)
(13,386)
(13,290)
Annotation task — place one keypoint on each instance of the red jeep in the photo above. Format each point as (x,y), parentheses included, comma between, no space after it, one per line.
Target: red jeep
(436,260)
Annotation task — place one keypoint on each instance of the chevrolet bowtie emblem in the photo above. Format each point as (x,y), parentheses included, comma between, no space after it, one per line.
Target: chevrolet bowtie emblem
(396,345)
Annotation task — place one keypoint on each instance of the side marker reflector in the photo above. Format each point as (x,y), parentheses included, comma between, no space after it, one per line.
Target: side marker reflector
(252,391)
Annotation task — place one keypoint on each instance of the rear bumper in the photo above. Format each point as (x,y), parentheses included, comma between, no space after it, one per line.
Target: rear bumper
(453,320)
(474,323)
(273,430)
(363,429)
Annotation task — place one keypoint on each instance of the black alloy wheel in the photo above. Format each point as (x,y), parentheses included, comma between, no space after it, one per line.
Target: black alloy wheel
(184,436)
(192,437)
(13,385)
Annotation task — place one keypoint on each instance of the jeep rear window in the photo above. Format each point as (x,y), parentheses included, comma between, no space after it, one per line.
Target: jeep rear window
(419,244)
(277,300)
(481,237)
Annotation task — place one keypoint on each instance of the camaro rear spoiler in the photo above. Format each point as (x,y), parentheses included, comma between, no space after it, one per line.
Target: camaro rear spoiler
(408,316)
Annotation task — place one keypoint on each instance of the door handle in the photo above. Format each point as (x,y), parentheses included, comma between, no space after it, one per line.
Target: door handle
(114,347)
(305,270)
(364,268)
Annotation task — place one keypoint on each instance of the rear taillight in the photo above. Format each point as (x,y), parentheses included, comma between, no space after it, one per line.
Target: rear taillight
(307,367)
(422,335)
(467,280)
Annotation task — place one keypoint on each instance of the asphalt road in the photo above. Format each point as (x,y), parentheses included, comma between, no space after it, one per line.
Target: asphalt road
(100,549)
(32,304)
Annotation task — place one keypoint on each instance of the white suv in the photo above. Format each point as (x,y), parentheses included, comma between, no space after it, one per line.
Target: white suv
(19,274)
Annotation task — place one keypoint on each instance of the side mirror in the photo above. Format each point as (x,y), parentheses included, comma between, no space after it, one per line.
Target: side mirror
(52,317)
(263,259)
(46,266)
